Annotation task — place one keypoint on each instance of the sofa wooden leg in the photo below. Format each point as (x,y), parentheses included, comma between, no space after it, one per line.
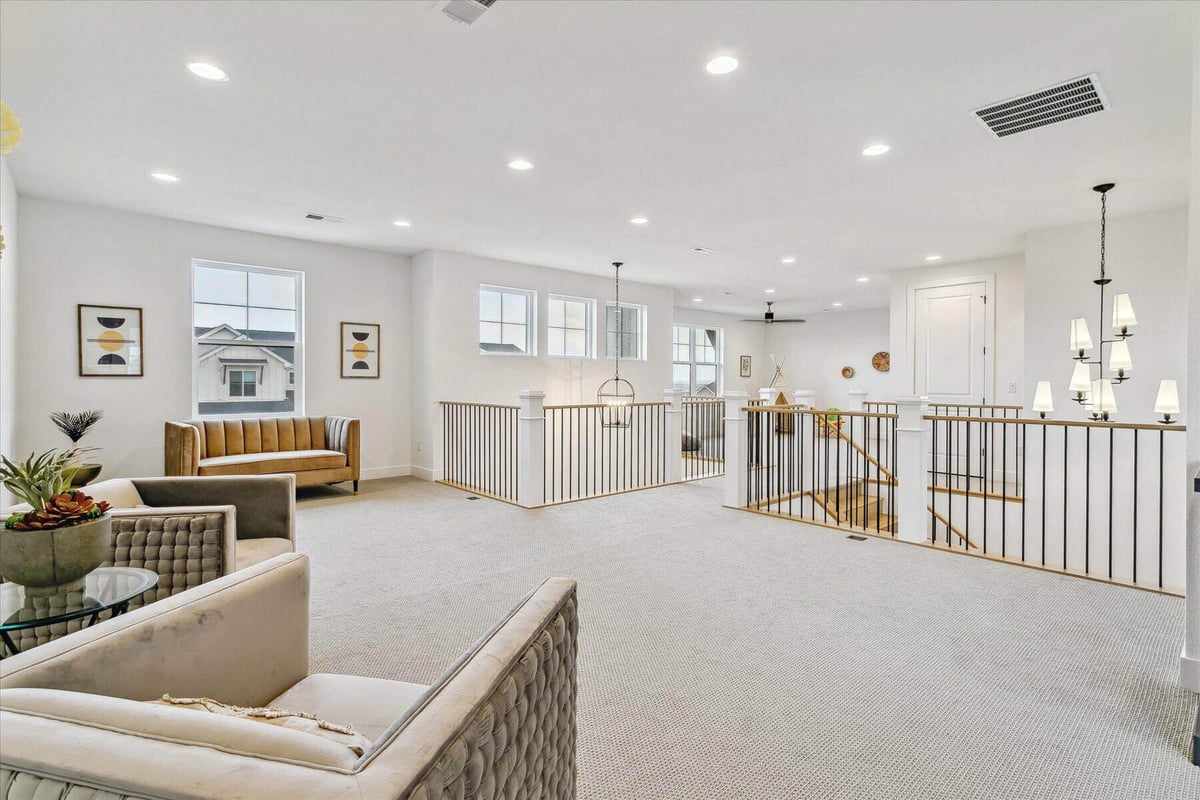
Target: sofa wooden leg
(356,487)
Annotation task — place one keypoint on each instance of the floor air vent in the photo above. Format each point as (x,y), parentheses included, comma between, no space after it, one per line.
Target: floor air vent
(1074,98)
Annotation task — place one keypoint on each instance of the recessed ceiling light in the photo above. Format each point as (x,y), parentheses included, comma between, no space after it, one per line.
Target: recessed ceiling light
(933,257)
(769,291)
(862,279)
(697,299)
(721,65)
(402,223)
(706,251)
(165,177)
(519,163)
(875,149)
(639,220)
(788,260)
(210,72)
(836,305)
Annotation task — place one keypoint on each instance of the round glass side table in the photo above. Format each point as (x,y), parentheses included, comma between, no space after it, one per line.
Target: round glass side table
(103,588)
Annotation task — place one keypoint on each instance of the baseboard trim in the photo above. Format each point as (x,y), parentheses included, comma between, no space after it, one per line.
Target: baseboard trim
(1189,673)
(426,473)
(397,471)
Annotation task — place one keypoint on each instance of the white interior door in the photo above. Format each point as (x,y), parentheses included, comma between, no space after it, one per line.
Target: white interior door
(951,357)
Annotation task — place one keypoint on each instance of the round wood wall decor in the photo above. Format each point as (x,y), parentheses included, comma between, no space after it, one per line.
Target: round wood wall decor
(847,372)
(881,361)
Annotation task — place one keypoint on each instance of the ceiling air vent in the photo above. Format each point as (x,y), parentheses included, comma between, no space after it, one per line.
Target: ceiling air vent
(466,10)
(1074,98)
(324,218)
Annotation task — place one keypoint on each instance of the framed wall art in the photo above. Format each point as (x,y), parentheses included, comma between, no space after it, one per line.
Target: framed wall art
(360,350)
(744,366)
(110,341)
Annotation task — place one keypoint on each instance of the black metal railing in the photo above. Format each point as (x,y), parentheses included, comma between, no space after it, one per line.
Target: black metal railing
(479,448)
(594,450)
(835,468)
(703,437)
(1087,498)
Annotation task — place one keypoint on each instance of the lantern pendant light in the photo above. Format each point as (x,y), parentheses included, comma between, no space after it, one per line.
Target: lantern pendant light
(616,394)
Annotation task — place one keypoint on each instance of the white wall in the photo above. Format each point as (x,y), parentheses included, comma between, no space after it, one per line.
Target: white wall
(1146,257)
(815,352)
(450,367)
(741,339)
(8,315)
(1008,274)
(82,254)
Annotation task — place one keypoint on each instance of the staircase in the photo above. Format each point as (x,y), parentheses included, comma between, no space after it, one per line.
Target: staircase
(852,506)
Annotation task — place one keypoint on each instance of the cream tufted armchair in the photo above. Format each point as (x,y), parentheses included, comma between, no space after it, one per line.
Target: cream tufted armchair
(499,723)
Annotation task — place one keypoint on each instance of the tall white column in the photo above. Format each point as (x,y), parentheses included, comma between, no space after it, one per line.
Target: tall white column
(531,449)
(767,395)
(857,398)
(674,440)
(736,449)
(1189,661)
(806,398)
(912,445)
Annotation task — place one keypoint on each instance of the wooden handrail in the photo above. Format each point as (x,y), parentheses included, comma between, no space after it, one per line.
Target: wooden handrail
(474,405)
(950,527)
(818,412)
(1059,423)
(973,405)
(605,405)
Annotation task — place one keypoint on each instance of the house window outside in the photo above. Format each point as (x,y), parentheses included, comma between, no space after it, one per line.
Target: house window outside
(632,326)
(243,383)
(570,330)
(506,321)
(696,365)
(247,340)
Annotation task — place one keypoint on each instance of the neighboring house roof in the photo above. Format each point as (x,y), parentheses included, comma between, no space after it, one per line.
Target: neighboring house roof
(496,347)
(236,338)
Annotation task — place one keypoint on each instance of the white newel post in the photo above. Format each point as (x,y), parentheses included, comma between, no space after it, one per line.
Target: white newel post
(806,398)
(531,449)
(767,395)
(912,444)
(674,441)
(736,451)
(858,399)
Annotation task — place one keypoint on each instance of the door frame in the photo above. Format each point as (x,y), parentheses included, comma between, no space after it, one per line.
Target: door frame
(988,280)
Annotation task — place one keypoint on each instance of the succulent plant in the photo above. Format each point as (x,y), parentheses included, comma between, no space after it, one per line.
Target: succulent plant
(68,508)
(76,424)
(44,482)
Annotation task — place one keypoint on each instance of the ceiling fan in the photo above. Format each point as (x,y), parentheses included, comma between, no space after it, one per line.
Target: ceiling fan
(769,318)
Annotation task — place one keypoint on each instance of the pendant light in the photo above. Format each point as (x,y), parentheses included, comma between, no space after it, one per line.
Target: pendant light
(1168,401)
(1043,400)
(616,394)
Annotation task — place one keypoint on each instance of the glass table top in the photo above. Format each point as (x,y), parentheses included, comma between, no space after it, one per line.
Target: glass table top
(104,587)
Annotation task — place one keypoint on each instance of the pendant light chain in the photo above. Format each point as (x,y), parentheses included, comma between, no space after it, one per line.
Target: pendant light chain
(620,322)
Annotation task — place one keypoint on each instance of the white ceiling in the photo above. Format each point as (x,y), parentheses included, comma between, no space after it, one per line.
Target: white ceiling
(380,110)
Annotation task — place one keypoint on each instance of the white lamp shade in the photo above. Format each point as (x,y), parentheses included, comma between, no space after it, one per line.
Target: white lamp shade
(1103,399)
(1119,358)
(1043,400)
(1081,338)
(1081,378)
(1123,312)
(1168,398)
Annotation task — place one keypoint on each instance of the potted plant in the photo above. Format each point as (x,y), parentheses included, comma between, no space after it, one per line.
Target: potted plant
(63,536)
(76,424)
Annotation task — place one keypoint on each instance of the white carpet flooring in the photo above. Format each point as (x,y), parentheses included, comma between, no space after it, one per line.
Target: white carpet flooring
(729,655)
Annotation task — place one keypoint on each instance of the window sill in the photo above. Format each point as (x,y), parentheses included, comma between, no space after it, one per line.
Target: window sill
(507,355)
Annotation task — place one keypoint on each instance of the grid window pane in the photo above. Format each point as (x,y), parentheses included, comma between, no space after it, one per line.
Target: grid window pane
(706,376)
(489,333)
(556,341)
(556,313)
(219,286)
(489,305)
(272,291)
(274,323)
(209,316)
(513,335)
(681,377)
(514,307)
(631,324)
(575,314)
(576,344)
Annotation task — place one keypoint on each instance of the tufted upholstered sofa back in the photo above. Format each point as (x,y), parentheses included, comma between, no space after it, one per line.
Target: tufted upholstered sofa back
(235,437)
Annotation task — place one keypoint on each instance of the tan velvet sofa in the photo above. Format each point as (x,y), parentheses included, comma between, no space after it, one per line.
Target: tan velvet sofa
(499,723)
(188,530)
(315,449)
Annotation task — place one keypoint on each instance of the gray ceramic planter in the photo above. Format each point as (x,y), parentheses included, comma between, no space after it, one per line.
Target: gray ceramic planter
(53,560)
